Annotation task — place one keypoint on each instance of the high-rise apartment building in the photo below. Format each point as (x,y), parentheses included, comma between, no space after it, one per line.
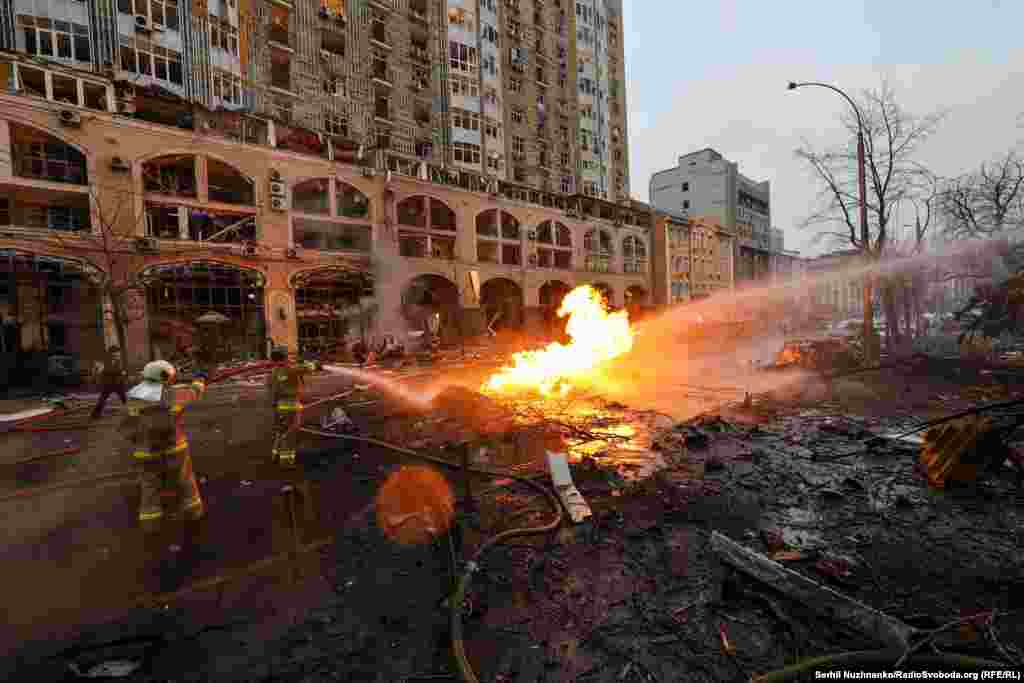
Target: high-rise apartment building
(707,184)
(530,92)
(283,162)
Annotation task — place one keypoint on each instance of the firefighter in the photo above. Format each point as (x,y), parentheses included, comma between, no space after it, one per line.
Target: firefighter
(285,393)
(155,426)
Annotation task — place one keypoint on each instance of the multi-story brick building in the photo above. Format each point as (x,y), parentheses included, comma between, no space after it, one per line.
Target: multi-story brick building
(705,183)
(279,162)
(693,258)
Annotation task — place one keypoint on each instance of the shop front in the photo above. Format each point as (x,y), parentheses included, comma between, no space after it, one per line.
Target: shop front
(206,310)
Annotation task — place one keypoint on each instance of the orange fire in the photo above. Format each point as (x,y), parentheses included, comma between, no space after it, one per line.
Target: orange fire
(597,336)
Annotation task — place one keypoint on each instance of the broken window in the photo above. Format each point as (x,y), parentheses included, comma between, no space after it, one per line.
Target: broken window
(329,236)
(228,185)
(351,202)
(171,175)
(312,196)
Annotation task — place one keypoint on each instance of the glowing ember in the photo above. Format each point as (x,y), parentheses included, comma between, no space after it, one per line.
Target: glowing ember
(597,336)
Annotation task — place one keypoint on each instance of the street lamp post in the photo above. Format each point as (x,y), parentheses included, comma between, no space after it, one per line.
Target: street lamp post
(865,234)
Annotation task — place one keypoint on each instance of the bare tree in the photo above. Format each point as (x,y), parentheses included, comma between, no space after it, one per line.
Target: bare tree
(892,141)
(987,202)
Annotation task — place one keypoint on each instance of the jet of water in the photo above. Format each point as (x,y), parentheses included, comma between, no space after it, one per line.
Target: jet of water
(415,399)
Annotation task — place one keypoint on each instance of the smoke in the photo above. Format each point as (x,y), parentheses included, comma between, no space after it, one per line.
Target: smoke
(390,275)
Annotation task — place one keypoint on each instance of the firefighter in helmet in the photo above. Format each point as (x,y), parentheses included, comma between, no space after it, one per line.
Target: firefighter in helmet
(155,426)
(285,393)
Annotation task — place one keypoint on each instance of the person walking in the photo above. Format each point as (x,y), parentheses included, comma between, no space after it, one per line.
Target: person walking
(112,377)
(155,427)
(284,389)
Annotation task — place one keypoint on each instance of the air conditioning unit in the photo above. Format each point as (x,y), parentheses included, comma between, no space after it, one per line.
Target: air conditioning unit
(147,244)
(70,117)
(368,172)
(278,204)
(276,188)
(573,213)
(142,23)
(531,235)
(291,252)
(119,164)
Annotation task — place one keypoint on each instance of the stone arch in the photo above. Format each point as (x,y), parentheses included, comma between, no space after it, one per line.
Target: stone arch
(502,302)
(498,223)
(218,194)
(332,303)
(58,133)
(554,233)
(427,294)
(181,290)
(56,339)
(39,153)
(312,195)
(427,212)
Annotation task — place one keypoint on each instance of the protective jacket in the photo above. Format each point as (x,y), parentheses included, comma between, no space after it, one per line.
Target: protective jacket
(285,389)
(160,446)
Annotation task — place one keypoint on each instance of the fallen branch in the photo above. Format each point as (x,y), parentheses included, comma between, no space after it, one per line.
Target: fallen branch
(821,599)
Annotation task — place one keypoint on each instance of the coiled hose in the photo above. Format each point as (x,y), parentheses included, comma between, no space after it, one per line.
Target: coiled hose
(473,565)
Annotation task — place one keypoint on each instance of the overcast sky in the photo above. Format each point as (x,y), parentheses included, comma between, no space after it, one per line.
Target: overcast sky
(714,74)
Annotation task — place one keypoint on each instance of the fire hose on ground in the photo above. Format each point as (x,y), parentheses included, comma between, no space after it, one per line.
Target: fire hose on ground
(473,565)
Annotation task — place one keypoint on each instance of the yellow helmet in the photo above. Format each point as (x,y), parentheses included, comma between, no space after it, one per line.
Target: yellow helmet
(159,371)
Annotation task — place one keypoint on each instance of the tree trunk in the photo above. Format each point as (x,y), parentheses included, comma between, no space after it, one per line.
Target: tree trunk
(870,341)
(892,316)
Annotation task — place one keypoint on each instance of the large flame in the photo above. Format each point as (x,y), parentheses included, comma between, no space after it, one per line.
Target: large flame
(597,336)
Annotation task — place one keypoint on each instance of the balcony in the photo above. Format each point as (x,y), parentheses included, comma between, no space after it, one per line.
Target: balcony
(419,54)
(379,36)
(383,5)
(36,209)
(381,74)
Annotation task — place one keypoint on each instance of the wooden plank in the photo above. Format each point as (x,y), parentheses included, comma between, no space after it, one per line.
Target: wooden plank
(816,597)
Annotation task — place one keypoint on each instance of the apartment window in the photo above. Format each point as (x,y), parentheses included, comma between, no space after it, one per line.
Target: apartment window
(686,204)
(686,187)
(336,87)
(464,87)
(492,129)
(162,12)
(565,159)
(493,162)
(466,120)
(227,86)
(566,185)
(462,57)
(515,85)
(466,153)
(518,116)
(489,33)
(336,124)
(50,38)
(490,66)
(518,146)
(223,36)
(142,57)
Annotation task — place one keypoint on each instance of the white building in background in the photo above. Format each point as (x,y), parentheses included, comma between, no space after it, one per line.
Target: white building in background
(705,184)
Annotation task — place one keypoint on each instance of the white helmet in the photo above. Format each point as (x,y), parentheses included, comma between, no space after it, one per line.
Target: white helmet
(159,371)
